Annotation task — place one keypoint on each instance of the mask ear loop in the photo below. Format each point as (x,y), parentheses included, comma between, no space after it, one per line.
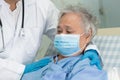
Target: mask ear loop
(2,34)
(82,49)
(85,45)
(88,34)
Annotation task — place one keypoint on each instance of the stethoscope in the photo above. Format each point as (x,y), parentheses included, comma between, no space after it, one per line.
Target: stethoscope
(21,30)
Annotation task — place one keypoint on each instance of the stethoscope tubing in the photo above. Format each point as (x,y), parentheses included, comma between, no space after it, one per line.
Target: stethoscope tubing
(23,14)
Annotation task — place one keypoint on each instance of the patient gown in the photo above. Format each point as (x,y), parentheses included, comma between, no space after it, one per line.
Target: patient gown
(71,68)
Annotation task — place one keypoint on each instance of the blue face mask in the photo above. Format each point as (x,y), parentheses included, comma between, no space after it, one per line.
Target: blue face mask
(67,44)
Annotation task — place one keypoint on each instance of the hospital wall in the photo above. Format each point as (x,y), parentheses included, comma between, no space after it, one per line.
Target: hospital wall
(107,11)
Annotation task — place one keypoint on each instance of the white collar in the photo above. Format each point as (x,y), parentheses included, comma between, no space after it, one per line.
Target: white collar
(2,2)
(27,2)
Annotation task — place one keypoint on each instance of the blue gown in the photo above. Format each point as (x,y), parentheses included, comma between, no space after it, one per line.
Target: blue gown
(71,68)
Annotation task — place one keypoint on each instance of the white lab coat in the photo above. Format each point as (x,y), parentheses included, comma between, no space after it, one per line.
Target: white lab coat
(40,18)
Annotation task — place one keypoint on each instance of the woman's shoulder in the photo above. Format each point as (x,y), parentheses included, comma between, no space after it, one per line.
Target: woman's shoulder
(83,68)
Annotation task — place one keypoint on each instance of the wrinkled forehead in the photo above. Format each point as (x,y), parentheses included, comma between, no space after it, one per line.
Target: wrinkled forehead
(72,20)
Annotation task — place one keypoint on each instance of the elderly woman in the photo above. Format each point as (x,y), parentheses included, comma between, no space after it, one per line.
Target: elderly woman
(75,31)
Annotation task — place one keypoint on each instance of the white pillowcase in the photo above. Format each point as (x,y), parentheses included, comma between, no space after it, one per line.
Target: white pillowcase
(114,74)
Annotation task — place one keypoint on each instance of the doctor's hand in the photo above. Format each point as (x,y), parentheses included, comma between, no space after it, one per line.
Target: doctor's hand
(37,65)
(94,57)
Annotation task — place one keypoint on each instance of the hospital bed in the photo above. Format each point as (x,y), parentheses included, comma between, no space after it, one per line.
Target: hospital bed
(107,41)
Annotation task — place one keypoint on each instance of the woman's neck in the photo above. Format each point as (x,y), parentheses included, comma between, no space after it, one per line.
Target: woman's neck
(12,4)
(59,58)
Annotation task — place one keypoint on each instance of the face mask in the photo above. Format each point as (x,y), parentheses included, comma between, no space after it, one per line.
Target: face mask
(67,44)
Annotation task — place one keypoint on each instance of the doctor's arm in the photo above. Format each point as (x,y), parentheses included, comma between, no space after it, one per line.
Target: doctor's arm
(13,70)
(51,21)
(50,31)
(94,57)
(37,65)
(93,54)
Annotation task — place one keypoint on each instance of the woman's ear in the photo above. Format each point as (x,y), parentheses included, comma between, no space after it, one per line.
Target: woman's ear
(89,36)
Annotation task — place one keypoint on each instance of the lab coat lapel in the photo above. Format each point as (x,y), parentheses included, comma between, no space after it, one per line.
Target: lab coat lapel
(6,15)
(8,23)
(28,9)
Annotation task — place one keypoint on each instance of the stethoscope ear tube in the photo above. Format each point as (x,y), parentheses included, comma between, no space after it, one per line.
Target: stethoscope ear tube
(23,14)
(2,37)
(0,23)
(22,34)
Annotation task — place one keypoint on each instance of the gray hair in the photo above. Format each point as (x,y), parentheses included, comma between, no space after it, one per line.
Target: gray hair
(89,20)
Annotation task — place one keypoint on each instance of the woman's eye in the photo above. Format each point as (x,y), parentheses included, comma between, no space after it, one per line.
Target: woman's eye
(59,31)
(69,32)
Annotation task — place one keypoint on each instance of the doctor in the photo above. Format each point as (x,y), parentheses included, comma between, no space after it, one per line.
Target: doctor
(22,24)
